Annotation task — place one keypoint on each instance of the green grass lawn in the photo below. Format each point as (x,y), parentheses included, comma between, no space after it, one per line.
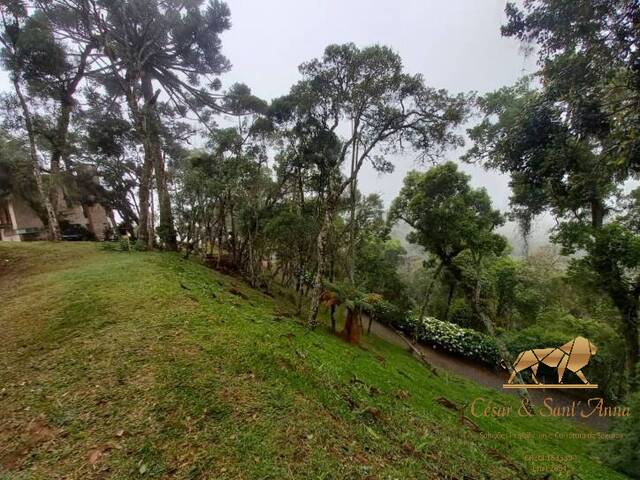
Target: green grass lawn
(145,365)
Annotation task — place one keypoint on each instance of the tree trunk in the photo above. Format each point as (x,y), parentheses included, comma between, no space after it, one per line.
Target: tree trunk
(62,127)
(333,318)
(57,151)
(145,236)
(166,229)
(152,216)
(502,348)
(54,227)
(352,327)
(452,289)
(633,348)
(112,219)
(316,292)
(353,200)
(597,213)
(221,229)
(234,248)
(427,295)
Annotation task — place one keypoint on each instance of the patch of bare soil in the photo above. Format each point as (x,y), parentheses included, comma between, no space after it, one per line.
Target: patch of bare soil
(36,434)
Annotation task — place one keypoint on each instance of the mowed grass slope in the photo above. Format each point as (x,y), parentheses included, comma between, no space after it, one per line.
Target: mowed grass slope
(144,365)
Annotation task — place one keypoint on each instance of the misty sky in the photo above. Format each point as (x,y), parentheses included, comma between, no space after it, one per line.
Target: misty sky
(455,44)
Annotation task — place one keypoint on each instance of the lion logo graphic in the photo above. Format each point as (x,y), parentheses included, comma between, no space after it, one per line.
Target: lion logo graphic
(572,356)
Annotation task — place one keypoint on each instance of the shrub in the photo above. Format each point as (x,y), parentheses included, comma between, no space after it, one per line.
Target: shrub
(556,327)
(461,313)
(387,313)
(140,246)
(452,338)
(624,454)
(109,246)
(123,244)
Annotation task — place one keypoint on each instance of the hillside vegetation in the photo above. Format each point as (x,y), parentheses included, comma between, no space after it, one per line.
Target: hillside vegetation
(145,365)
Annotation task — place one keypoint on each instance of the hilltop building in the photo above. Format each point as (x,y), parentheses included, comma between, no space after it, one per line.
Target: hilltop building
(20,222)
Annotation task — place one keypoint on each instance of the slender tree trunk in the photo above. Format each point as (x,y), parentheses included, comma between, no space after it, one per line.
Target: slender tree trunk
(353,200)
(166,228)
(234,248)
(333,318)
(597,213)
(254,260)
(452,289)
(62,127)
(221,229)
(152,216)
(502,348)
(59,147)
(112,219)
(427,295)
(145,237)
(633,347)
(54,227)
(299,300)
(332,275)
(316,292)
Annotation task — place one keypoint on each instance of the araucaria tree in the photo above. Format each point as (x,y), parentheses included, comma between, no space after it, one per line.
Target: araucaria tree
(32,58)
(351,106)
(163,57)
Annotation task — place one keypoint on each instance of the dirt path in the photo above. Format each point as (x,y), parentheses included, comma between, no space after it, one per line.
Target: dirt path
(481,374)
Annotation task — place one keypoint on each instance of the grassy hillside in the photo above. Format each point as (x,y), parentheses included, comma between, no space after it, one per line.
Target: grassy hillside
(144,365)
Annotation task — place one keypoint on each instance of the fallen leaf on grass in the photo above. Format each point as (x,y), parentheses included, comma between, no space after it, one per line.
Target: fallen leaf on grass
(94,456)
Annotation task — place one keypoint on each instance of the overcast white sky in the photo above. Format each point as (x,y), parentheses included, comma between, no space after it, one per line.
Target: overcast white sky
(455,44)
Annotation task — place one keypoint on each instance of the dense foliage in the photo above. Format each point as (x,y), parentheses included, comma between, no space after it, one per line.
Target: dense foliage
(454,339)
(555,328)
(624,455)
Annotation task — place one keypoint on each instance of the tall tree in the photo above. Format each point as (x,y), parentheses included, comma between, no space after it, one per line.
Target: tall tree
(448,217)
(558,168)
(14,35)
(55,78)
(160,55)
(385,108)
(589,57)
(570,143)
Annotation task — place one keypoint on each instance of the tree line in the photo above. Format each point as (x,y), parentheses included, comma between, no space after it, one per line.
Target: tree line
(274,193)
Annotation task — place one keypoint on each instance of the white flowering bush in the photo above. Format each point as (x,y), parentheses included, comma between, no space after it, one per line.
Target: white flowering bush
(455,339)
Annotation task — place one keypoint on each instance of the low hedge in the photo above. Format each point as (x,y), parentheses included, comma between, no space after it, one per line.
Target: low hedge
(387,313)
(455,339)
(553,328)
